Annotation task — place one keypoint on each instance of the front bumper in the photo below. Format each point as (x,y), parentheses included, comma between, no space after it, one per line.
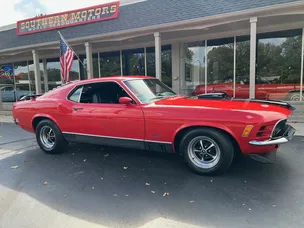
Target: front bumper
(288,135)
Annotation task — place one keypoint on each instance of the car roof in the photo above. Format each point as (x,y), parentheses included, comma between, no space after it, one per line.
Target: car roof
(72,84)
(116,78)
(110,78)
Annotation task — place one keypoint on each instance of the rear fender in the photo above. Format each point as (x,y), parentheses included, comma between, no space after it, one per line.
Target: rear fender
(202,124)
(45,116)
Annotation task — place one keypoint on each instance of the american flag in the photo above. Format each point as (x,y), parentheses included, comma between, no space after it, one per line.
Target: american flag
(66,60)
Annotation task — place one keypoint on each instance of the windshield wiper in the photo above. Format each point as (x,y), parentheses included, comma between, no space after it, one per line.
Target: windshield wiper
(157,97)
(160,97)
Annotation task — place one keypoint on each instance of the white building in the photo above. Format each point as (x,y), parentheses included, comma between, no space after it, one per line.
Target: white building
(250,49)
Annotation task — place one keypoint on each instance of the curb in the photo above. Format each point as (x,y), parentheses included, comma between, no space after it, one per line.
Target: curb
(5,113)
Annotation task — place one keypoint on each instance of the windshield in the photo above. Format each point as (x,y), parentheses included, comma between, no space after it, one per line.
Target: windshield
(149,90)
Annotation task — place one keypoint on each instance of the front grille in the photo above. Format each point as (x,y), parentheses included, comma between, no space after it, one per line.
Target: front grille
(280,128)
(264,131)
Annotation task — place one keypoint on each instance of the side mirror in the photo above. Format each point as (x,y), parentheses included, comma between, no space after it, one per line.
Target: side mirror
(125,100)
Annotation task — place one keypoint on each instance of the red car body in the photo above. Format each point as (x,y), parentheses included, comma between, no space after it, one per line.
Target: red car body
(262,91)
(157,125)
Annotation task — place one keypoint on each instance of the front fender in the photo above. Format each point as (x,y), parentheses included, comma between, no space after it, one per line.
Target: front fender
(203,124)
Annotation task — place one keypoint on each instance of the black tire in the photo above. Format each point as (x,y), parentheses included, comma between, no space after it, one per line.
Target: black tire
(223,150)
(293,96)
(60,144)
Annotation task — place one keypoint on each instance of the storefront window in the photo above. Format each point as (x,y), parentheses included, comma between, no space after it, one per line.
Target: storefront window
(166,58)
(278,70)
(194,66)
(242,67)
(7,85)
(150,53)
(95,66)
(74,73)
(54,74)
(220,57)
(110,64)
(133,62)
(22,77)
(32,76)
(53,69)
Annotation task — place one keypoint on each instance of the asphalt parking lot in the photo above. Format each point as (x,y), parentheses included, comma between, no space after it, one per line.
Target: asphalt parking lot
(93,186)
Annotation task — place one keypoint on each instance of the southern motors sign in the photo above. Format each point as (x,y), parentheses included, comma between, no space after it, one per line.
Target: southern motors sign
(69,18)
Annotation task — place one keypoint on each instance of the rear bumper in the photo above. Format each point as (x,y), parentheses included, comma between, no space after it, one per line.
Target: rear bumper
(284,139)
(16,121)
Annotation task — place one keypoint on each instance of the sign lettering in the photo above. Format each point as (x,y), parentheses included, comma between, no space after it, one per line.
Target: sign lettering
(67,19)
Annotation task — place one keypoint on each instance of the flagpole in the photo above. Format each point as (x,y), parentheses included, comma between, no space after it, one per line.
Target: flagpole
(71,49)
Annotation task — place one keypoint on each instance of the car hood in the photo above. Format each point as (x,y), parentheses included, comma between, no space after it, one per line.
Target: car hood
(260,107)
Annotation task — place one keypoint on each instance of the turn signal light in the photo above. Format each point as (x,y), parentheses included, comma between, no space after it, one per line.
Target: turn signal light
(247,130)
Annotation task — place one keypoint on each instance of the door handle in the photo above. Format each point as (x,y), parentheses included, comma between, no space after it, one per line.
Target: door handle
(76,109)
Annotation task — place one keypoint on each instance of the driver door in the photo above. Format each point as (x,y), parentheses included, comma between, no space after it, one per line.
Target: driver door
(99,118)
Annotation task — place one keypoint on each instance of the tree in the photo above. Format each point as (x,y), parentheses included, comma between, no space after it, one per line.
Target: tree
(220,63)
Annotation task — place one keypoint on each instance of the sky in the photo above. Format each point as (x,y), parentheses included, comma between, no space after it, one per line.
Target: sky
(15,10)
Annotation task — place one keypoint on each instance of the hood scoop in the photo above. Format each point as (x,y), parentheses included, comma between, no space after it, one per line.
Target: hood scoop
(212,96)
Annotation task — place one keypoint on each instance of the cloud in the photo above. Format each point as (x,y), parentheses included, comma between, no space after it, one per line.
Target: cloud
(30,8)
(56,6)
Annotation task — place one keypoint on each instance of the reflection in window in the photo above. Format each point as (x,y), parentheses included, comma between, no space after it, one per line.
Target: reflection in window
(133,62)
(242,67)
(7,83)
(74,73)
(150,53)
(95,66)
(194,63)
(220,61)
(279,65)
(6,74)
(148,90)
(166,58)
(21,75)
(54,74)
(32,76)
(76,95)
(110,64)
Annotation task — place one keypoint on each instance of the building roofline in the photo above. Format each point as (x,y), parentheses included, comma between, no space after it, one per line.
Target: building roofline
(8,27)
(122,3)
(242,15)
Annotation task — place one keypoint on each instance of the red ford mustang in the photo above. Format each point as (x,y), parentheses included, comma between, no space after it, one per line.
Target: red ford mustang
(143,113)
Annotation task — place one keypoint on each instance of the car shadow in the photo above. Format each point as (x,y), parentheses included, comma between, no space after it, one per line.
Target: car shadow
(119,187)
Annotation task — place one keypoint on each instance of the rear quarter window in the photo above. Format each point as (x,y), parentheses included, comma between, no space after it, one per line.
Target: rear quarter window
(75,96)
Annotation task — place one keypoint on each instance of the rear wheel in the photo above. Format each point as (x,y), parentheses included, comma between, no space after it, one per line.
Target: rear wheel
(50,138)
(294,96)
(207,151)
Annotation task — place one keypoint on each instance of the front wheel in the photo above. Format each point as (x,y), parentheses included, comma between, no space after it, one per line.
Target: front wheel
(50,138)
(207,151)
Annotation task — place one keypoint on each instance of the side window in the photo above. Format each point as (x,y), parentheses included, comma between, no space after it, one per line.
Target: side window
(9,89)
(75,96)
(103,93)
(99,93)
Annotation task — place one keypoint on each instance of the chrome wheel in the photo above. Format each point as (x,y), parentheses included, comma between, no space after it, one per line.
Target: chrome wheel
(47,137)
(204,152)
(296,97)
